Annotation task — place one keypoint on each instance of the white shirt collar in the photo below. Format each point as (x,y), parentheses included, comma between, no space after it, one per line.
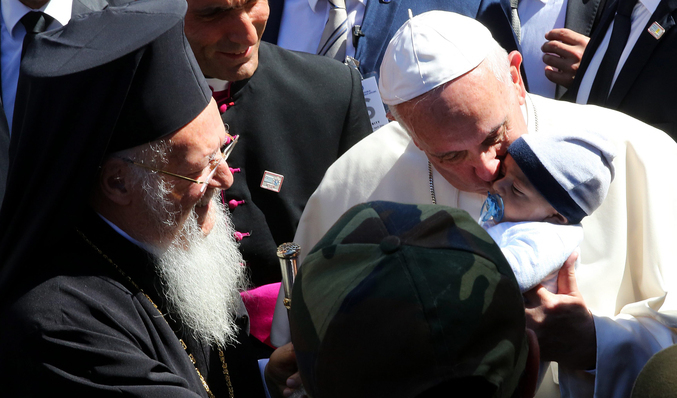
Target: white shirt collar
(313,3)
(650,5)
(217,84)
(529,113)
(14,10)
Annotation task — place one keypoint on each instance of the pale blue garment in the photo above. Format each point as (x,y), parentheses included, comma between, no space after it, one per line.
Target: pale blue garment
(536,250)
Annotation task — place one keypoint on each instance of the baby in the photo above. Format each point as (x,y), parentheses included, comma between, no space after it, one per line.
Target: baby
(548,184)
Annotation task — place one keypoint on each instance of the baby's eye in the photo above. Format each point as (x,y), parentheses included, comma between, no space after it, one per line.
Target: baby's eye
(516,191)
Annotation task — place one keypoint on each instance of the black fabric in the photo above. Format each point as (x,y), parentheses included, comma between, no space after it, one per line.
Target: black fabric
(582,16)
(166,68)
(619,38)
(79,327)
(79,7)
(295,116)
(274,20)
(35,22)
(98,92)
(646,85)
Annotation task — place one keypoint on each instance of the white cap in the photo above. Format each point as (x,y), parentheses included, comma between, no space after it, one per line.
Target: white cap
(429,50)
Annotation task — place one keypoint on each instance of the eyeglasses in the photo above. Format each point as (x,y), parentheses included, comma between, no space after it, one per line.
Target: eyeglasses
(227,149)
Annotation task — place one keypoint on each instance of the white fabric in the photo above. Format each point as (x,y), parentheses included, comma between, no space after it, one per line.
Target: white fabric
(303,22)
(539,17)
(11,43)
(423,54)
(627,257)
(639,18)
(217,85)
(536,250)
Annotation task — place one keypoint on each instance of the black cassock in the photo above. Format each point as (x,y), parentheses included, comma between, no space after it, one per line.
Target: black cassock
(83,329)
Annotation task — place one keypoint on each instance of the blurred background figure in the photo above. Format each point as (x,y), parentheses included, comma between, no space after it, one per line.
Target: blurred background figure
(553,37)
(367,26)
(23,19)
(628,65)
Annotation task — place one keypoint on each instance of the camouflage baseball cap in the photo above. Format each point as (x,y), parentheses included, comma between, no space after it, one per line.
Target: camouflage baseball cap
(402,300)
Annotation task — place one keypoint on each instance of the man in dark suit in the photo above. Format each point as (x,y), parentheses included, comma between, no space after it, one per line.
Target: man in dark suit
(554,40)
(642,79)
(13,34)
(295,114)
(382,18)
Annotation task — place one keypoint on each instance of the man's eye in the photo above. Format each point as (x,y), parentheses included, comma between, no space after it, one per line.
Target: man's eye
(451,158)
(496,137)
(210,13)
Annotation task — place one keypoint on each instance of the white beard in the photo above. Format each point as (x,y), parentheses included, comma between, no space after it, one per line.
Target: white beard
(202,276)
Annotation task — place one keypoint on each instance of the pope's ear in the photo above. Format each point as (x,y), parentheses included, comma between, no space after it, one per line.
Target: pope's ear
(515,60)
(114,181)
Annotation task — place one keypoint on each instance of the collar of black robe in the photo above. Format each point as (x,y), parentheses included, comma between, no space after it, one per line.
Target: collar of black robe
(115,79)
(134,268)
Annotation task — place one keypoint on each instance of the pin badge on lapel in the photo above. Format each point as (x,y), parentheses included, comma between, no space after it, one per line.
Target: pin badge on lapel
(656,30)
(272,181)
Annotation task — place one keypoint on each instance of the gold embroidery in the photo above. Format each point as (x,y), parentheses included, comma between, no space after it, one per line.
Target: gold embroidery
(224,365)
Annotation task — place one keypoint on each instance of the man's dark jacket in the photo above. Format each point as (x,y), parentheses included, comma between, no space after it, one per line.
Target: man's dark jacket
(295,116)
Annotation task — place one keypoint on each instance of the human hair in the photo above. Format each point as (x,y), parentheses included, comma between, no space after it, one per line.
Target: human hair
(497,62)
(155,188)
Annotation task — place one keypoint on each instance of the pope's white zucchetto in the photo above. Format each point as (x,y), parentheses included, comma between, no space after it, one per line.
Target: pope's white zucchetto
(429,50)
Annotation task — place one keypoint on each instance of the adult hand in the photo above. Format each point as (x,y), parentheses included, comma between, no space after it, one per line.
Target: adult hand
(281,373)
(564,326)
(562,54)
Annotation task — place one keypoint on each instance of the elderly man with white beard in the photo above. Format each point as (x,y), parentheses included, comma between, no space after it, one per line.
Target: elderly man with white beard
(120,273)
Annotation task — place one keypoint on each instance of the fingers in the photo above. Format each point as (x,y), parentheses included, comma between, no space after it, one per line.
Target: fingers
(558,48)
(563,59)
(564,50)
(559,64)
(566,36)
(293,383)
(281,367)
(566,279)
(559,77)
(534,298)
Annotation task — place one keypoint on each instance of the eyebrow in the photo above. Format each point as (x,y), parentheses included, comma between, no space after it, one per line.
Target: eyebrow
(209,9)
(493,134)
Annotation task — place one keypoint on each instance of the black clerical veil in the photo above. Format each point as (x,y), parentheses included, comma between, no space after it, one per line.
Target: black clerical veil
(107,81)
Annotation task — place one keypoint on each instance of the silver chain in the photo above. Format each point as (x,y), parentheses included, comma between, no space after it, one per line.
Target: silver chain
(432,186)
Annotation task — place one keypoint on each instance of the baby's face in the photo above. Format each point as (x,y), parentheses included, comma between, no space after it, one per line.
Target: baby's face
(521,201)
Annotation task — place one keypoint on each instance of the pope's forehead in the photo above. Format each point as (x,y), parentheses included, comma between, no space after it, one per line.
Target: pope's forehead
(461,105)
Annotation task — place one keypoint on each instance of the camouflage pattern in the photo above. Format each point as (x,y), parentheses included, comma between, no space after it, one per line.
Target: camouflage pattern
(397,298)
